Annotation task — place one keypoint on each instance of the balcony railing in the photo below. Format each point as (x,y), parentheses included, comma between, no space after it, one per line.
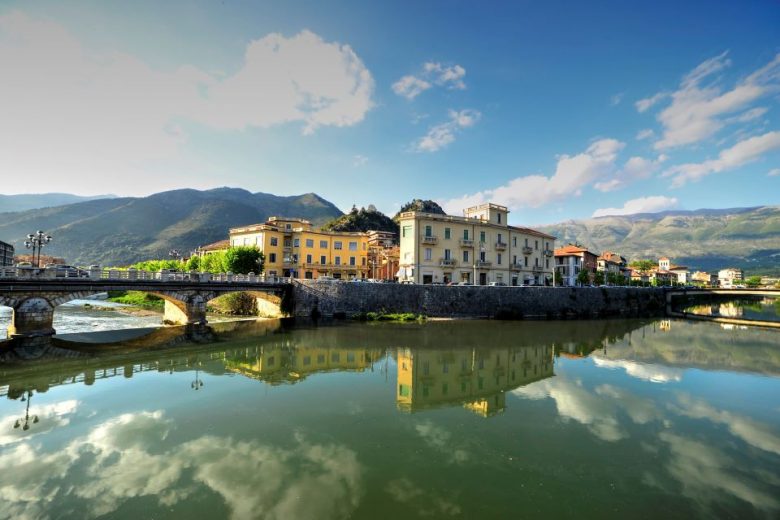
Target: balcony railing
(538,269)
(429,239)
(527,250)
(500,246)
(465,242)
(515,266)
(548,252)
(448,262)
(482,263)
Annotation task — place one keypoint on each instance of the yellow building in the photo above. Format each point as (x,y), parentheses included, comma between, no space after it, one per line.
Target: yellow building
(293,248)
(478,248)
(476,379)
(285,364)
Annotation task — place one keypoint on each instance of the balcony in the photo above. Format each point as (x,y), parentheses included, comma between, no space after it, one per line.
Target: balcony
(481,264)
(515,266)
(538,269)
(527,250)
(465,242)
(448,262)
(501,246)
(548,252)
(429,239)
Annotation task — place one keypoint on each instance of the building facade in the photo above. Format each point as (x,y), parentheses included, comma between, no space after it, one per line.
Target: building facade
(730,277)
(292,248)
(570,260)
(6,254)
(478,248)
(383,255)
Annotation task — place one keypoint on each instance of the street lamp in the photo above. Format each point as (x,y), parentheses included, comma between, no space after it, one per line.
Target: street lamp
(25,425)
(36,241)
(198,383)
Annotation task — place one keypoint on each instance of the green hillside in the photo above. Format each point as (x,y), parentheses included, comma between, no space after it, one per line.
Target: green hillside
(704,239)
(125,230)
(362,220)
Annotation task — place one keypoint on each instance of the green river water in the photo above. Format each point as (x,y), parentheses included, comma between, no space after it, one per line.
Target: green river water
(464,419)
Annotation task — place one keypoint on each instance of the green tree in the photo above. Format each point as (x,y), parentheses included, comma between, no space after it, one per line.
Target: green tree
(213,263)
(244,260)
(583,277)
(598,278)
(753,281)
(193,264)
(643,266)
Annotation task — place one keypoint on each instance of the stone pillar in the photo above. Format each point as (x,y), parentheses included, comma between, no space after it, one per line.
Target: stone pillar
(31,321)
(190,312)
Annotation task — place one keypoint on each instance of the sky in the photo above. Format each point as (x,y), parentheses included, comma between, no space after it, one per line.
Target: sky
(558,110)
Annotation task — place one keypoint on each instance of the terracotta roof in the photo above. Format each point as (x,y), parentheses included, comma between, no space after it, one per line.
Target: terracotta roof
(216,246)
(570,250)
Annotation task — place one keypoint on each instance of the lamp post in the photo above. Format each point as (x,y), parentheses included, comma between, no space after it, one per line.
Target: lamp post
(36,241)
(25,424)
(198,383)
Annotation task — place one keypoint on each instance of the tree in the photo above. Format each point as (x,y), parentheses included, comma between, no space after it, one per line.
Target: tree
(753,281)
(244,260)
(643,266)
(598,278)
(193,264)
(583,277)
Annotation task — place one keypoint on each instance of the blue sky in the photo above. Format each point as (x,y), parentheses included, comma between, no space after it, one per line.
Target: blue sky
(558,109)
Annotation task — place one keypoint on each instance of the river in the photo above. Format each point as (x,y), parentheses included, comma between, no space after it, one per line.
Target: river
(464,419)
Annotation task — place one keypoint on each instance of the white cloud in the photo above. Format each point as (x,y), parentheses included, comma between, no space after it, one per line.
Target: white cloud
(73,111)
(774,172)
(647,133)
(572,174)
(640,205)
(441,135)
(698,110)
(410,87)
(644,104)
(359,160)
(433,73)
(634,169)
(743,152)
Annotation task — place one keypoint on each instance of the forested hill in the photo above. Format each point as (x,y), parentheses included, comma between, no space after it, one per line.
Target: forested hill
(119,231)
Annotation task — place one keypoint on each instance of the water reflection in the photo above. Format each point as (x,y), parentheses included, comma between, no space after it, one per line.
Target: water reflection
(749,308)
(362,421)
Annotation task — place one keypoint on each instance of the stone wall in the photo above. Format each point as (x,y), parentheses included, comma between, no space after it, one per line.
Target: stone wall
(326,299)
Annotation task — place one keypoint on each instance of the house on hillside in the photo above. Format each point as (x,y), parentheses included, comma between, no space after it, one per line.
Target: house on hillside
(570,260)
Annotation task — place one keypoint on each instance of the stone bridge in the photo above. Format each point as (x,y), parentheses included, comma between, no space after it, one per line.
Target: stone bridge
(33,300)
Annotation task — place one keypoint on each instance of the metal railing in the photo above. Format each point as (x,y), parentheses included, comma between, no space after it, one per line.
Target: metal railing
(132,275)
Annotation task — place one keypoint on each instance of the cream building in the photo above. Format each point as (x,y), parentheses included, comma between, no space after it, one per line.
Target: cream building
(478,248)
(292,248)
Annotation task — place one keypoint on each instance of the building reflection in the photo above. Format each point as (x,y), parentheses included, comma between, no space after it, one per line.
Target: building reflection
(282,364)
(475,378)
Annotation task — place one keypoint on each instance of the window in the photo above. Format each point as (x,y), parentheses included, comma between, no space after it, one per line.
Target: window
(308,259)
(482,256)
(406,231)
(287,242)
(428,231)
(514,259)
(324,244)
(482,236)
(323,261)
(498,258)
(297,242)
(526,261)
(499,218)
(363,260)
(320,358)
(337,244)
(274,241)
(465,234)
(536,244)
(526,242)
(353,246)
(499,239)
(446,233)
(337,260)
(514,241)
(288,226)
(309,242)
(308,275)
(465,256)
(350,357)
(547,263)
(447,254)
(272,258)
(428,253)
(306,360)
(335,357)
(351,260)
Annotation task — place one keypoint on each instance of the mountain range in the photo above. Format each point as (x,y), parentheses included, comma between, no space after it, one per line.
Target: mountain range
(705,239)
(122,230)
(42,200)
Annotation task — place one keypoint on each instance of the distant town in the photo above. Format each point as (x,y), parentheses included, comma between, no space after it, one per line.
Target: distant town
(478,248)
